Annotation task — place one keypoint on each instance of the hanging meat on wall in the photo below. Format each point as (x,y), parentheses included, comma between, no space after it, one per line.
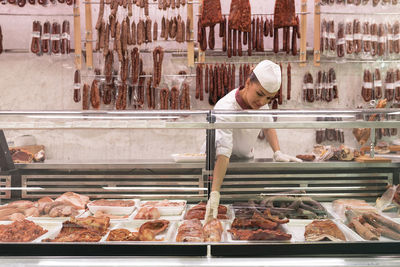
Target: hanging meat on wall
(240,15)
(211,13)
(285,17)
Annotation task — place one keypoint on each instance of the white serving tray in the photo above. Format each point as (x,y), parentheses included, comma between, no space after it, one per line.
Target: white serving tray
(224,235)
(230,213)
(178,217)
(55,233)
(189,157)
(58,219)
(381,238)
(112,210)
(230,239)
(50,226)
(168,211)
(134,226)
(297,228)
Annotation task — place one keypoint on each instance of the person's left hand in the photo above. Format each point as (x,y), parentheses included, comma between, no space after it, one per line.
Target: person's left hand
(280,157)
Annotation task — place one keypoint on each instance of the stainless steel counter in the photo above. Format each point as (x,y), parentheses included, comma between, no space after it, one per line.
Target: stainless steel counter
(169,163)
(199,261)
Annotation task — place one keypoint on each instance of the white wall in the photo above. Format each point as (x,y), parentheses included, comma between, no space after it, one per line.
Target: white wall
(29,82)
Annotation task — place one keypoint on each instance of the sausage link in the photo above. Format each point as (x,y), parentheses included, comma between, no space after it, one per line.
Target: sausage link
(201,82)
(240,75)
(239,44)
(35,44)
(198,81)
(77,86)
(396,35)
(276,40)
(234,43)
(271,28)
(211,38)
(206,85)
(349,38)
(366,42)
(249,43)
(253,34)
(357,36)
(374,39)
(280,92)
(266,28)
(397,85)
(381,39)
(233,78)
(85,97)
(95,94)
(289,81)
(229,42)
(188,30)
(164,96)
(378,84)
(341,41)
(55,40)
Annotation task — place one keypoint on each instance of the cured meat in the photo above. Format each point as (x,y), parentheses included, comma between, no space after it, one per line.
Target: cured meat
(211,13)
(74,199)
(20,231)
(147,213)
(149,230)
(199,211)
(213,231)
(190,231)
(240,15)
(245,234)
(320,230)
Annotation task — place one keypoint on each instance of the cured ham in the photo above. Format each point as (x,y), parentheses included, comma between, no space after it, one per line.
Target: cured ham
(20,231)
(190,231)
(213,231)
(199,211)
(147,213)
(320,230)
(74,199)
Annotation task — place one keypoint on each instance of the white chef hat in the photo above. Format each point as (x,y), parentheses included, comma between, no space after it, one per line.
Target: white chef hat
(269,75)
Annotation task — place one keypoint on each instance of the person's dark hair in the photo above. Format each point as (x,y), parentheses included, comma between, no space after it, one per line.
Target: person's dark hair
(253,78)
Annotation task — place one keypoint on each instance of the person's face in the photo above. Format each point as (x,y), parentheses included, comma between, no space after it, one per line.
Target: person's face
(257,96)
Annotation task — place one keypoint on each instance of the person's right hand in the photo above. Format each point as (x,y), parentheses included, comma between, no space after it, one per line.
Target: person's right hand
(212,206)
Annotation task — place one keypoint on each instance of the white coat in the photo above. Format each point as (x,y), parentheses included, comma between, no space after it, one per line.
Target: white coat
(236,142)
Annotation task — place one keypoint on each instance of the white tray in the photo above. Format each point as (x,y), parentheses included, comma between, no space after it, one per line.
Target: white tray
(230,213)
(230,239)
(129,218)
(335,215)
(112,210)
(178,217)
(134,226)
(297,228)
(50,226)
(58,219)
(381,238)
(55,233)
(168,211)
(224,235)
(189,157)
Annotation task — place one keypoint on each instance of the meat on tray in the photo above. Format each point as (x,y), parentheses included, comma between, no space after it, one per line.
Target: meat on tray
(199,211)
(283,207)
(20,231)
(371,226)
(67,205)
(113,203)
(163,203)
(147,232)
(320,230)
(147,213)
(261,226)
(193,231)
(89,229)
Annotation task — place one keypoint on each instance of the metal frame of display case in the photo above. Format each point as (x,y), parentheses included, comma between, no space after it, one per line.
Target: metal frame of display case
(199,175)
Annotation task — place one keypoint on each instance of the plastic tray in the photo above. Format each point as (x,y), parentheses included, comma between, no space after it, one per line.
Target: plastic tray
(230,239)
(58,219)
(224,236)
(112,210)
(134,227)
(178,217)
(230,213)
(335,215)
(50,226)
(128,218)
(189,157)
(381,238)
(55,233)
(169,211)
(297,228)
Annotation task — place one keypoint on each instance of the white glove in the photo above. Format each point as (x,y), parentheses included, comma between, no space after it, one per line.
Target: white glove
(212,206)
(280,157)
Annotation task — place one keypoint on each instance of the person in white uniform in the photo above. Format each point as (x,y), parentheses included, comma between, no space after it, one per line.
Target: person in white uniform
(259,89)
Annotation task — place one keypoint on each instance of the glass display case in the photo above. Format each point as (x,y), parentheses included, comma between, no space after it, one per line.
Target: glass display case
(136,184)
